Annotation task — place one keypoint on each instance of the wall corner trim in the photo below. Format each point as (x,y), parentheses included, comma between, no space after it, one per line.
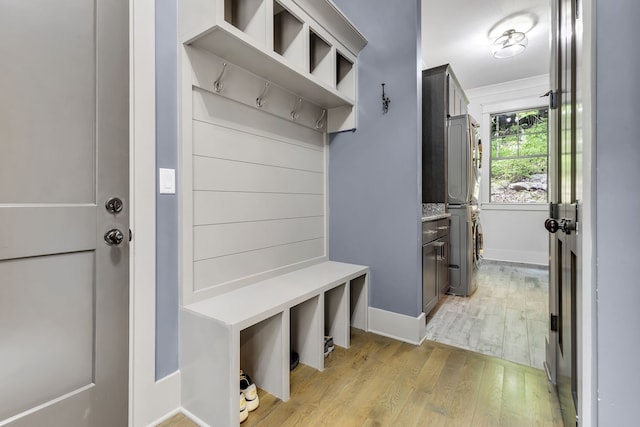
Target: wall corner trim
(401,327)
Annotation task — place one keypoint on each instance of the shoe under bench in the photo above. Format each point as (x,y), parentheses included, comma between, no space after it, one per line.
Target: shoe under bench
(256,326)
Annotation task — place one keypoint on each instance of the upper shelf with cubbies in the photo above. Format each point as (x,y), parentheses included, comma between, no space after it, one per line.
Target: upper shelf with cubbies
(305,46)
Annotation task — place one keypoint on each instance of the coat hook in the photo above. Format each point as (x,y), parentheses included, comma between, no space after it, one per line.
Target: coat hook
(385,102)
(319,123)
(217,84)
(260,99)
(295,113)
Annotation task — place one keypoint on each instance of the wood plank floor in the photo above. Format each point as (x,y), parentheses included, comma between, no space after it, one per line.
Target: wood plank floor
(383,382)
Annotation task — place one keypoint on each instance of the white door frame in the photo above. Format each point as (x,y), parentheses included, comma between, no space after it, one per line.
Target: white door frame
(586,298)
(150,401)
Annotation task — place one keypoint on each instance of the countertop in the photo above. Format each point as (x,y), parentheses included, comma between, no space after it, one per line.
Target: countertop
(434,217)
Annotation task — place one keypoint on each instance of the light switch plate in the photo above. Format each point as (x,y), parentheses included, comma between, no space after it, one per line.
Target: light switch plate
(167,178)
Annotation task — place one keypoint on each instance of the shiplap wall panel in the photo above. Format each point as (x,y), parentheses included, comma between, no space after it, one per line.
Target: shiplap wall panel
(210,108)
(258,191)
(211,241)
(215,207)
(227,175)
(220,142)
(213,272)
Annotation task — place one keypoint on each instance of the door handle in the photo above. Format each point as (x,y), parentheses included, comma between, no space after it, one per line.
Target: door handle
(113,237)
(565,224)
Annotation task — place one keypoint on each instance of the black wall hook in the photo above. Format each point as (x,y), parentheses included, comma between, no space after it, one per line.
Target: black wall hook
(385,101)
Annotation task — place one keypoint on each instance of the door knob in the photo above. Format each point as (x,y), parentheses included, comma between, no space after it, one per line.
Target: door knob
(552,225)
(113,237)
(565,224)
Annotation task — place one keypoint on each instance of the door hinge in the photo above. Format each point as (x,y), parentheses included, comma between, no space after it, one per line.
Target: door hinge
(553,99)
(554,323)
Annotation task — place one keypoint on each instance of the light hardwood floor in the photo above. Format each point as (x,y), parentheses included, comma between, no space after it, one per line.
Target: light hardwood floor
(506,317)
(383,382)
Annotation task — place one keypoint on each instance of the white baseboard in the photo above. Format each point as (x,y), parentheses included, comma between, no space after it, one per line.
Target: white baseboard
(176,411)
(521,257)
(161,401)
(397,326)
(165,417)
(194,418)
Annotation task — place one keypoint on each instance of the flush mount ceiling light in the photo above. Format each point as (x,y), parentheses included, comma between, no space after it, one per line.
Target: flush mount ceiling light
(509,44)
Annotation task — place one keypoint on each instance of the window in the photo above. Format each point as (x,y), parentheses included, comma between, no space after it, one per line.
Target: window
(519,156)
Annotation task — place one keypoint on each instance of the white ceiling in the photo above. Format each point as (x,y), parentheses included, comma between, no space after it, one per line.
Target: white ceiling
(456,32)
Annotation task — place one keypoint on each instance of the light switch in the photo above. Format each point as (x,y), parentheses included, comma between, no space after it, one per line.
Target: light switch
(167,179)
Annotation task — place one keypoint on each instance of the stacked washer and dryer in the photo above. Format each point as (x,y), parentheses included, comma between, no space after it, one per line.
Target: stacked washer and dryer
(463,183)
(450,172)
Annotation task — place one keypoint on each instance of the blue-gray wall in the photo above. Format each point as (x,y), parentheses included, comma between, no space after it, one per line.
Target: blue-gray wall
(617,207)
(167,285)
(374,172)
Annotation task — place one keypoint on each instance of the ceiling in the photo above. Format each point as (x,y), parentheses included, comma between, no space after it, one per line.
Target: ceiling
(456,32)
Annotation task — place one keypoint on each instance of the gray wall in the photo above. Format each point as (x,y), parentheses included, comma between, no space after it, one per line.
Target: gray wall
(167,285)
(374,172)
(617,210)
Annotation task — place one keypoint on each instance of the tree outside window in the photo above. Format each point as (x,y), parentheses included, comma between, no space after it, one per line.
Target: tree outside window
(519,156)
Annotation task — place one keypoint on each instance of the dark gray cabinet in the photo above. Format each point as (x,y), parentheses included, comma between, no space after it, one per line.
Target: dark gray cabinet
(435,262)
(442,97)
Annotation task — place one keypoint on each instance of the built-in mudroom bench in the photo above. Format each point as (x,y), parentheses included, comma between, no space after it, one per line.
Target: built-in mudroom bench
(255,327)
(262,84)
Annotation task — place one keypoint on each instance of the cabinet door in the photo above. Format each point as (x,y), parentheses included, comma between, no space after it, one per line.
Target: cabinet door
(463,106)
(452,97)
(457,105)
(443,265)
(429,277)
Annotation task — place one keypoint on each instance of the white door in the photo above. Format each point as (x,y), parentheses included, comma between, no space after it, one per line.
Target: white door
(64,293)
(565,238)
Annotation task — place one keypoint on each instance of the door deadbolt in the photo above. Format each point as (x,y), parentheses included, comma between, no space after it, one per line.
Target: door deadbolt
(113,237)
(552,225)
(113,205)
(567,225)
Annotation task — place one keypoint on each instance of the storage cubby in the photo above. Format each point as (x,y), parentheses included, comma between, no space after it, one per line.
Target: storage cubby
(320,60)
(307,332)
(336,315)
(306,47)
(249,16)
(345,76)
(263,348)
(358,302)
(288,35)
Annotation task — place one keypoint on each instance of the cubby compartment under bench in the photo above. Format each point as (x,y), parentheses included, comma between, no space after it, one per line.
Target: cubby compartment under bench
(255,327)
